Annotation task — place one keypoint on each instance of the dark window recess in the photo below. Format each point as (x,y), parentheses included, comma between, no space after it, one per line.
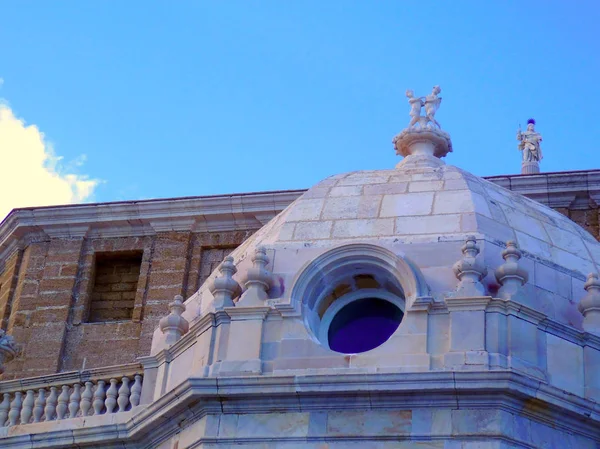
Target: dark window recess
(363,325)
(115,286)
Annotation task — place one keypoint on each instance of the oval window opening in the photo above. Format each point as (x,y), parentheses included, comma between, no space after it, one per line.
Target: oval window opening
(363,325)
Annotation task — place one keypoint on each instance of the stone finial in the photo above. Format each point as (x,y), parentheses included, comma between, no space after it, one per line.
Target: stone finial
(470,270)
(423,138)
(510,275)
(8,349)
(589,305)
(174,325)
(257,280)
(224,288)
(530,148)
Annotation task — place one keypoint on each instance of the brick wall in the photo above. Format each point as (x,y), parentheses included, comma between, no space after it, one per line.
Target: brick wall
(50,302)
(588,219)
(114,289)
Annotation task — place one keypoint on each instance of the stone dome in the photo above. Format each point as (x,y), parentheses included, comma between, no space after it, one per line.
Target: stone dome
(423,210)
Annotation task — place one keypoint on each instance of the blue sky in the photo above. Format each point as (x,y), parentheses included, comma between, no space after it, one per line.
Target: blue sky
(195,97)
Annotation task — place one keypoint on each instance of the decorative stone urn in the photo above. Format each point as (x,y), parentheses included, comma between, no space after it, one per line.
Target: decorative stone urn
(257,280)
(589,305)
(8,349)
(174,325)
(470,270)
(224,288)
(510,275)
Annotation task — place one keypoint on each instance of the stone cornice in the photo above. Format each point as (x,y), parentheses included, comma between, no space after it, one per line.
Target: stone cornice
(196,397)
(558,189)
(137,218)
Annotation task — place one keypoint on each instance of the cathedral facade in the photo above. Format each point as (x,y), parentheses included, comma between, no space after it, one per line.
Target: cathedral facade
(417,307)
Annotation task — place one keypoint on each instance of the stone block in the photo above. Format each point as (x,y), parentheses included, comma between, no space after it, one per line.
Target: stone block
(591,366)
(363,228)
(453,201)
(523,340)
(566,240)
(565,365)
(467,330)
(386,189)
(425,186)
(339,208)
(473,422)
(292,425)
(407,204)
(361,178)
(369,422)
(369,206)
(305,210)
(428,224)
(313,230)
(346,191)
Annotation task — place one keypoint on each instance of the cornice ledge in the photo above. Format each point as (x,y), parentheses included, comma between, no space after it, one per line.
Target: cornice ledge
(247,313)
(152,419)
(514,308)
(472,303)
(214,213)
(564,331)
(422,304)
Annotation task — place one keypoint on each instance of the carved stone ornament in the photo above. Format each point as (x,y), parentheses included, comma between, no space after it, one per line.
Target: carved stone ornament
(510,275)
(174,325)
(257,281)
(470,270)
(8,349)
(589,305)
(224,288)
(423,136)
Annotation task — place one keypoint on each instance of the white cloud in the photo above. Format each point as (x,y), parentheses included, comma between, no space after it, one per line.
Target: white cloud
(31,173)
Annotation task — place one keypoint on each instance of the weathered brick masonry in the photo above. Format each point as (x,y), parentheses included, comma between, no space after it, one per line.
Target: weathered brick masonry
(89,292)
(52,292)
(66,315)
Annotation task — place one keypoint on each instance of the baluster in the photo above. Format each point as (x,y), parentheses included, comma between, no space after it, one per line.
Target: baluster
(111,396)
(86,399)
(51,402)
(136,391)
(74,400)
(15,409)
(27,408)
(63,401)
(40,402)
(98,403)
(124,391)
(4,406)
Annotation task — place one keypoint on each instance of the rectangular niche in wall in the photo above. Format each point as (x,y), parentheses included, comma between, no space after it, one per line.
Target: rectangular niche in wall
(115,285)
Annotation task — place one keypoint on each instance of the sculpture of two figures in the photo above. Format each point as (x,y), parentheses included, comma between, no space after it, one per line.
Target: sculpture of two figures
(423,136)
(529,142)
(431,102)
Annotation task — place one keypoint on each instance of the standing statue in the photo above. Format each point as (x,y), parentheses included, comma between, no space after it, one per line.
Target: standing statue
(416,103)
(432,104)
(529,142)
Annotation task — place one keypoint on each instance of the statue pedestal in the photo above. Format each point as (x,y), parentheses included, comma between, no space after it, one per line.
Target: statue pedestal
(530,168)
(422,142)
(422,146)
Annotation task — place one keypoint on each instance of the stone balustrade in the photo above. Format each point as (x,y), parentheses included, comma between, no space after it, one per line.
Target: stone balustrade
(70,395)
